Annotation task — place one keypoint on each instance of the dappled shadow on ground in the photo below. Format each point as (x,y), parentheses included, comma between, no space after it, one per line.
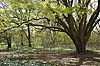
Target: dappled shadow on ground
(74,59)
(59,59)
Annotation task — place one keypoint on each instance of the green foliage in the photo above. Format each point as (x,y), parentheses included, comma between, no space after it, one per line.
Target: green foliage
(2,11)
(94,42)
(81,9)
(51,8)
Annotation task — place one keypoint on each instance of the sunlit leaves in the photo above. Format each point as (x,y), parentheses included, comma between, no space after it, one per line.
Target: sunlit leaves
(29,6)
(18,6)
(60,9)
(51,8)
(54,7)
(81,9)
(24,10)
(2,11)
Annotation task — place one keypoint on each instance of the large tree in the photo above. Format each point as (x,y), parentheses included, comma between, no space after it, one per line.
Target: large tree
(70,16)
(73,18)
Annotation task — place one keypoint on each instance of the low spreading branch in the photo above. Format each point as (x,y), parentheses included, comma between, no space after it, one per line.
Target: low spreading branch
(48,27)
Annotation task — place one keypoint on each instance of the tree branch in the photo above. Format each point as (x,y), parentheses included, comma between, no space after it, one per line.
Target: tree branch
(48,27)
(65,3)
(71,2)
(93,18)
(79,1)
(87,3)
(96,22)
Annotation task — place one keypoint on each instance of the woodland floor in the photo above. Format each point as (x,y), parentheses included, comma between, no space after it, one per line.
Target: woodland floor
(58,59)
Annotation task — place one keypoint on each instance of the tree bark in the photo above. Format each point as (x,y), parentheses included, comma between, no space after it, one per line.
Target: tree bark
(29,36)
(80,43)
(80,48)
(8,42)
(22,40)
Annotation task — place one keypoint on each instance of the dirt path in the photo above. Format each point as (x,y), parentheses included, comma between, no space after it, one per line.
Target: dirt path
(61,59)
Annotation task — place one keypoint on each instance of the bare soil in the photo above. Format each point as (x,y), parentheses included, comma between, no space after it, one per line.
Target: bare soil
(59,59)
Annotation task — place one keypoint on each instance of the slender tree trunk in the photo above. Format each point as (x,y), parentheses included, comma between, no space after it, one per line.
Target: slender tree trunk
(29,36)
(22,40)
(8,39)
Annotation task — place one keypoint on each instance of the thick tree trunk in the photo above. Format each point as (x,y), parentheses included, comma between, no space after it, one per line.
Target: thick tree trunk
(80,48)
(80,44)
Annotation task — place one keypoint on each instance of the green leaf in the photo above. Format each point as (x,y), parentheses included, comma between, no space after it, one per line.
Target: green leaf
(60,9)
(22,5)
(2,11)
(29,5)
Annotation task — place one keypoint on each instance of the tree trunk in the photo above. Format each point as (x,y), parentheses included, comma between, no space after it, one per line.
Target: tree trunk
(8,42)
(22,40)
(80,43)
(80,48)
(29,36)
